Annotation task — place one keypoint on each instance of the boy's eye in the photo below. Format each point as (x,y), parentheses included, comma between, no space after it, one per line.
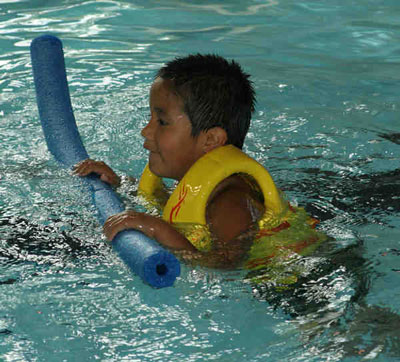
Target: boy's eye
(162,122)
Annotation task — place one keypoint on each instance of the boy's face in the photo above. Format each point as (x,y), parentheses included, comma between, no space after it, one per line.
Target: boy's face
(167,135)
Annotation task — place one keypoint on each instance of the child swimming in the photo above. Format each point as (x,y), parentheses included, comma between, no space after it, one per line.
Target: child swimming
(226,205)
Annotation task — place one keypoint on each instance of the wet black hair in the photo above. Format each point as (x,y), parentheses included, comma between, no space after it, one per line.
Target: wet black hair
(215,93)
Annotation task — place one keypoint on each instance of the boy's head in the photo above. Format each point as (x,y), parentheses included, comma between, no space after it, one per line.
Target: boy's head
(214,92)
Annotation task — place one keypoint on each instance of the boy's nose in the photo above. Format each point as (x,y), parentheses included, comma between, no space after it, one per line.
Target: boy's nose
(146,131)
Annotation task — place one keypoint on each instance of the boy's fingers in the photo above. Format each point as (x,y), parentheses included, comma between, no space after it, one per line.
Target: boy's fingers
(118,222)
(86,167)
(82,170)
(83,162)
(81,166)
(109,235)
(109,225)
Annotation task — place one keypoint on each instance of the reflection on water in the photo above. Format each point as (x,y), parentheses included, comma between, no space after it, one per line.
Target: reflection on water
(392,137)
(328,304)
(363,196)
(24,241)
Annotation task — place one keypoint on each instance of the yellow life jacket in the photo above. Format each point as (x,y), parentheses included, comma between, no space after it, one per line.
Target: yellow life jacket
(282,229)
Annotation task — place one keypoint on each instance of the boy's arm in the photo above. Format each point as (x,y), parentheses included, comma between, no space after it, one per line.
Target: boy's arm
(223,255)
(231,213)
(231,218)
(149,225)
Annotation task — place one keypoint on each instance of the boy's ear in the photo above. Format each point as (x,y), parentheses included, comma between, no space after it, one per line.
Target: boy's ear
(213,138)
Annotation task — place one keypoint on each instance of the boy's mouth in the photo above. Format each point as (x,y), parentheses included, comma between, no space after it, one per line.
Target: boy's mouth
(148,148)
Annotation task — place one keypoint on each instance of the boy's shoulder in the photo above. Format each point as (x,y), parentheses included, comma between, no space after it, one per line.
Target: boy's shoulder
(232,208)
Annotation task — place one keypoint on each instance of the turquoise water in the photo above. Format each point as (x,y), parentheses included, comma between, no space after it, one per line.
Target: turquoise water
(327,76)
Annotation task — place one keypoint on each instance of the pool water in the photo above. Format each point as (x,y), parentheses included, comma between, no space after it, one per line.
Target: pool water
(326,127)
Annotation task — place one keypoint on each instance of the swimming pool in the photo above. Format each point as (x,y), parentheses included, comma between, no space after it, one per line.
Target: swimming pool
(327,77)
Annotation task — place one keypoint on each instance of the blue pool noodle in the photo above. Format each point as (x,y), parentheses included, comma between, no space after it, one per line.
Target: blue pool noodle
(144,256)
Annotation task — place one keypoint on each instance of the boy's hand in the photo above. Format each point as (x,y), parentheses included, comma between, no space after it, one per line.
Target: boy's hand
(129,219)
(89,166)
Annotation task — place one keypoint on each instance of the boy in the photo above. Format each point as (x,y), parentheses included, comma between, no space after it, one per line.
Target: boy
(199,105)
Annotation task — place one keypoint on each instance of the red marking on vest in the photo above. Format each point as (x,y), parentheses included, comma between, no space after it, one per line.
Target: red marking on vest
(175,209)
(269,232)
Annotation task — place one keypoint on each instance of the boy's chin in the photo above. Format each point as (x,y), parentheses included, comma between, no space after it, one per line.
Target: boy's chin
(153,169)
(156,170)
